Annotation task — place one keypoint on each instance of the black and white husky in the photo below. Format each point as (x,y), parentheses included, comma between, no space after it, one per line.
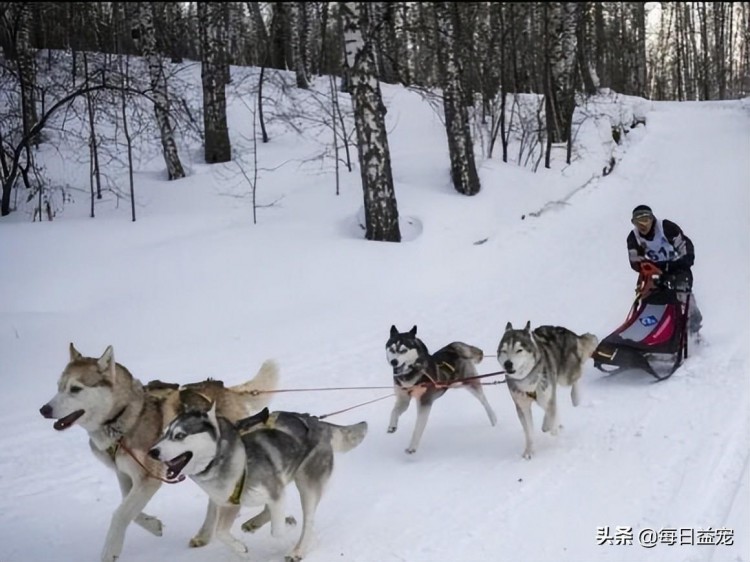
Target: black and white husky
(535,362)
(252,462)
(425,377)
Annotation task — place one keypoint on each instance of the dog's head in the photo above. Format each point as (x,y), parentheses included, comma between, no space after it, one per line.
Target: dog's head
(517,351)
(85,391)
(189,443)
(404,351)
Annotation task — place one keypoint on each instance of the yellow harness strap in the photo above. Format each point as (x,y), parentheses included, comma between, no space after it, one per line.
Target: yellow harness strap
(237,493)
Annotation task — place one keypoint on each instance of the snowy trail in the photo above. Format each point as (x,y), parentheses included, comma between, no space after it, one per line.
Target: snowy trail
(636,454)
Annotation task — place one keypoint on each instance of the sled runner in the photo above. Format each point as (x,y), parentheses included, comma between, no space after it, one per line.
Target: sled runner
(653,338)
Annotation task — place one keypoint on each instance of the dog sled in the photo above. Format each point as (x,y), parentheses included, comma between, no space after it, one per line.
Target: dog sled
(654,336)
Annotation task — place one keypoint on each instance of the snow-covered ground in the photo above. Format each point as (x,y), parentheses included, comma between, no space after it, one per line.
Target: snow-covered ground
(194,289)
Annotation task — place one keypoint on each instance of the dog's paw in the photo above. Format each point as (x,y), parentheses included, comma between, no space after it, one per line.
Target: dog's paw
(197,541)
(251,525)
(293,557)
(290,521)
(152,524)
(239,547)
(109,556)
(527,454)
(410,451)
(392,429)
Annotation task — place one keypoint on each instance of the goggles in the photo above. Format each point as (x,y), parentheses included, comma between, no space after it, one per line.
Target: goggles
(643,218)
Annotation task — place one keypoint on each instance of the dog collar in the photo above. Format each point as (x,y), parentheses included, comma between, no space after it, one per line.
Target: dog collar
(117,416)
(234,499)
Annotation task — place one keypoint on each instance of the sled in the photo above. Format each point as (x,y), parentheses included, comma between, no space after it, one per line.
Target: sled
(654,336)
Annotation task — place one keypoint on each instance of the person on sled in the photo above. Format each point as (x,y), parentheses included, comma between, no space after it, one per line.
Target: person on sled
(663,243)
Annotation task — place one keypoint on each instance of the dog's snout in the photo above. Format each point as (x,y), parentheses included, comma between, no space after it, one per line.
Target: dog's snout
(508,365)
(154,453)
(394,362)
(46,411)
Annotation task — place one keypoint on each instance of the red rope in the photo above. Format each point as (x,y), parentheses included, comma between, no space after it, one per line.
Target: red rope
(180,478)
(355,406)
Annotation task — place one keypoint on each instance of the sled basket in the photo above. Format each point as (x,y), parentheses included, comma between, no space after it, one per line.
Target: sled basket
(653,338)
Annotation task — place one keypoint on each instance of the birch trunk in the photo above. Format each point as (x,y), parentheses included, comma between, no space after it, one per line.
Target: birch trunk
(147,39)
(463,168)
(217,147)
(381,211)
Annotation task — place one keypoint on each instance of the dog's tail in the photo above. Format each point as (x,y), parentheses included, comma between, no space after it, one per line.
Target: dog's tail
(345,437)
(466,351)
(260,388)
(586,345)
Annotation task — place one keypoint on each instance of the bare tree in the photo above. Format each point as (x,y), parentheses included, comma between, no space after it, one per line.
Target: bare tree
(146,36)
(560,49)
(460,146)
(217,147)
(381,211)
(15,38)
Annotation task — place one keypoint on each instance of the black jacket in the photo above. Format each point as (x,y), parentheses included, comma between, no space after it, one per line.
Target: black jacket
(680,242)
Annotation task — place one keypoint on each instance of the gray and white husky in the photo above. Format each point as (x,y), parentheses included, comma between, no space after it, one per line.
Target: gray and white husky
(124,418)
(251,464)
(425,377)
(535,363)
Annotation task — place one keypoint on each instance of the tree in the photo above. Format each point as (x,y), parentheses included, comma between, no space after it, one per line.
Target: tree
(560,64)
(463,168)
(216,144)
(16,42)
(146,36)
(381,211)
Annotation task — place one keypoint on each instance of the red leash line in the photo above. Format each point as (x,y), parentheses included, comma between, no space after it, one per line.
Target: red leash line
(355,406)
(180,478)
(320,389)
(256,392)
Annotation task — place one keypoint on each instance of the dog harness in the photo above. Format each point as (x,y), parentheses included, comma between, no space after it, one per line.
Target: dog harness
(234,499)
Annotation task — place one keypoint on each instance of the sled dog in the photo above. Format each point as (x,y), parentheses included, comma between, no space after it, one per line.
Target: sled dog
(416,372)
(535,363)
(124,418)
(251,463)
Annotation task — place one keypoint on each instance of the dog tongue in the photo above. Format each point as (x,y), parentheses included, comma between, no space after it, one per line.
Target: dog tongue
(67,421)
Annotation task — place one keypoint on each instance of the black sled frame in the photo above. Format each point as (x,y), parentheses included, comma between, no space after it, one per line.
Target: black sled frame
(618,352)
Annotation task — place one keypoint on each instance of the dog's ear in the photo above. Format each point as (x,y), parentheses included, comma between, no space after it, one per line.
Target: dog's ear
(528,327)
(394,331)
(413,331)
(106,362)
(74,353)
(193,401)
(508,327)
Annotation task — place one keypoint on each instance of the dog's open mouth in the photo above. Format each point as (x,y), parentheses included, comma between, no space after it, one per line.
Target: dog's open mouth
(67,421)
(175,466)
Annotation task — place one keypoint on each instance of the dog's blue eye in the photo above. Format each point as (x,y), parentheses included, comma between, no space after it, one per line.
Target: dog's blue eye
(179,436)
(75,389)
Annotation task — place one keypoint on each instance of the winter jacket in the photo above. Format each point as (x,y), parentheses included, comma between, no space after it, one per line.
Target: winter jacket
(666,245)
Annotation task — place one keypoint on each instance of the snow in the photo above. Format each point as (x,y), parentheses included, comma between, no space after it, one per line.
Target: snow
(195,289)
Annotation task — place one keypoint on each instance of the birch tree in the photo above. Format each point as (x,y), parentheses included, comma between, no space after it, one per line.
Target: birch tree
(560,58)
(217,147)
(381,211)
(147,39)
(463,168)
(17,44)
(298,28)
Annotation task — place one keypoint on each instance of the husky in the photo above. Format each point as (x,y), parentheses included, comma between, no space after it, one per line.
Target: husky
(425,377)
(535,363)
(252,462)
(124,418)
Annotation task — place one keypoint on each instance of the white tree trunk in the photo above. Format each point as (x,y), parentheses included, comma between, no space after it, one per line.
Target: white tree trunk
(147,39)
(381,211)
